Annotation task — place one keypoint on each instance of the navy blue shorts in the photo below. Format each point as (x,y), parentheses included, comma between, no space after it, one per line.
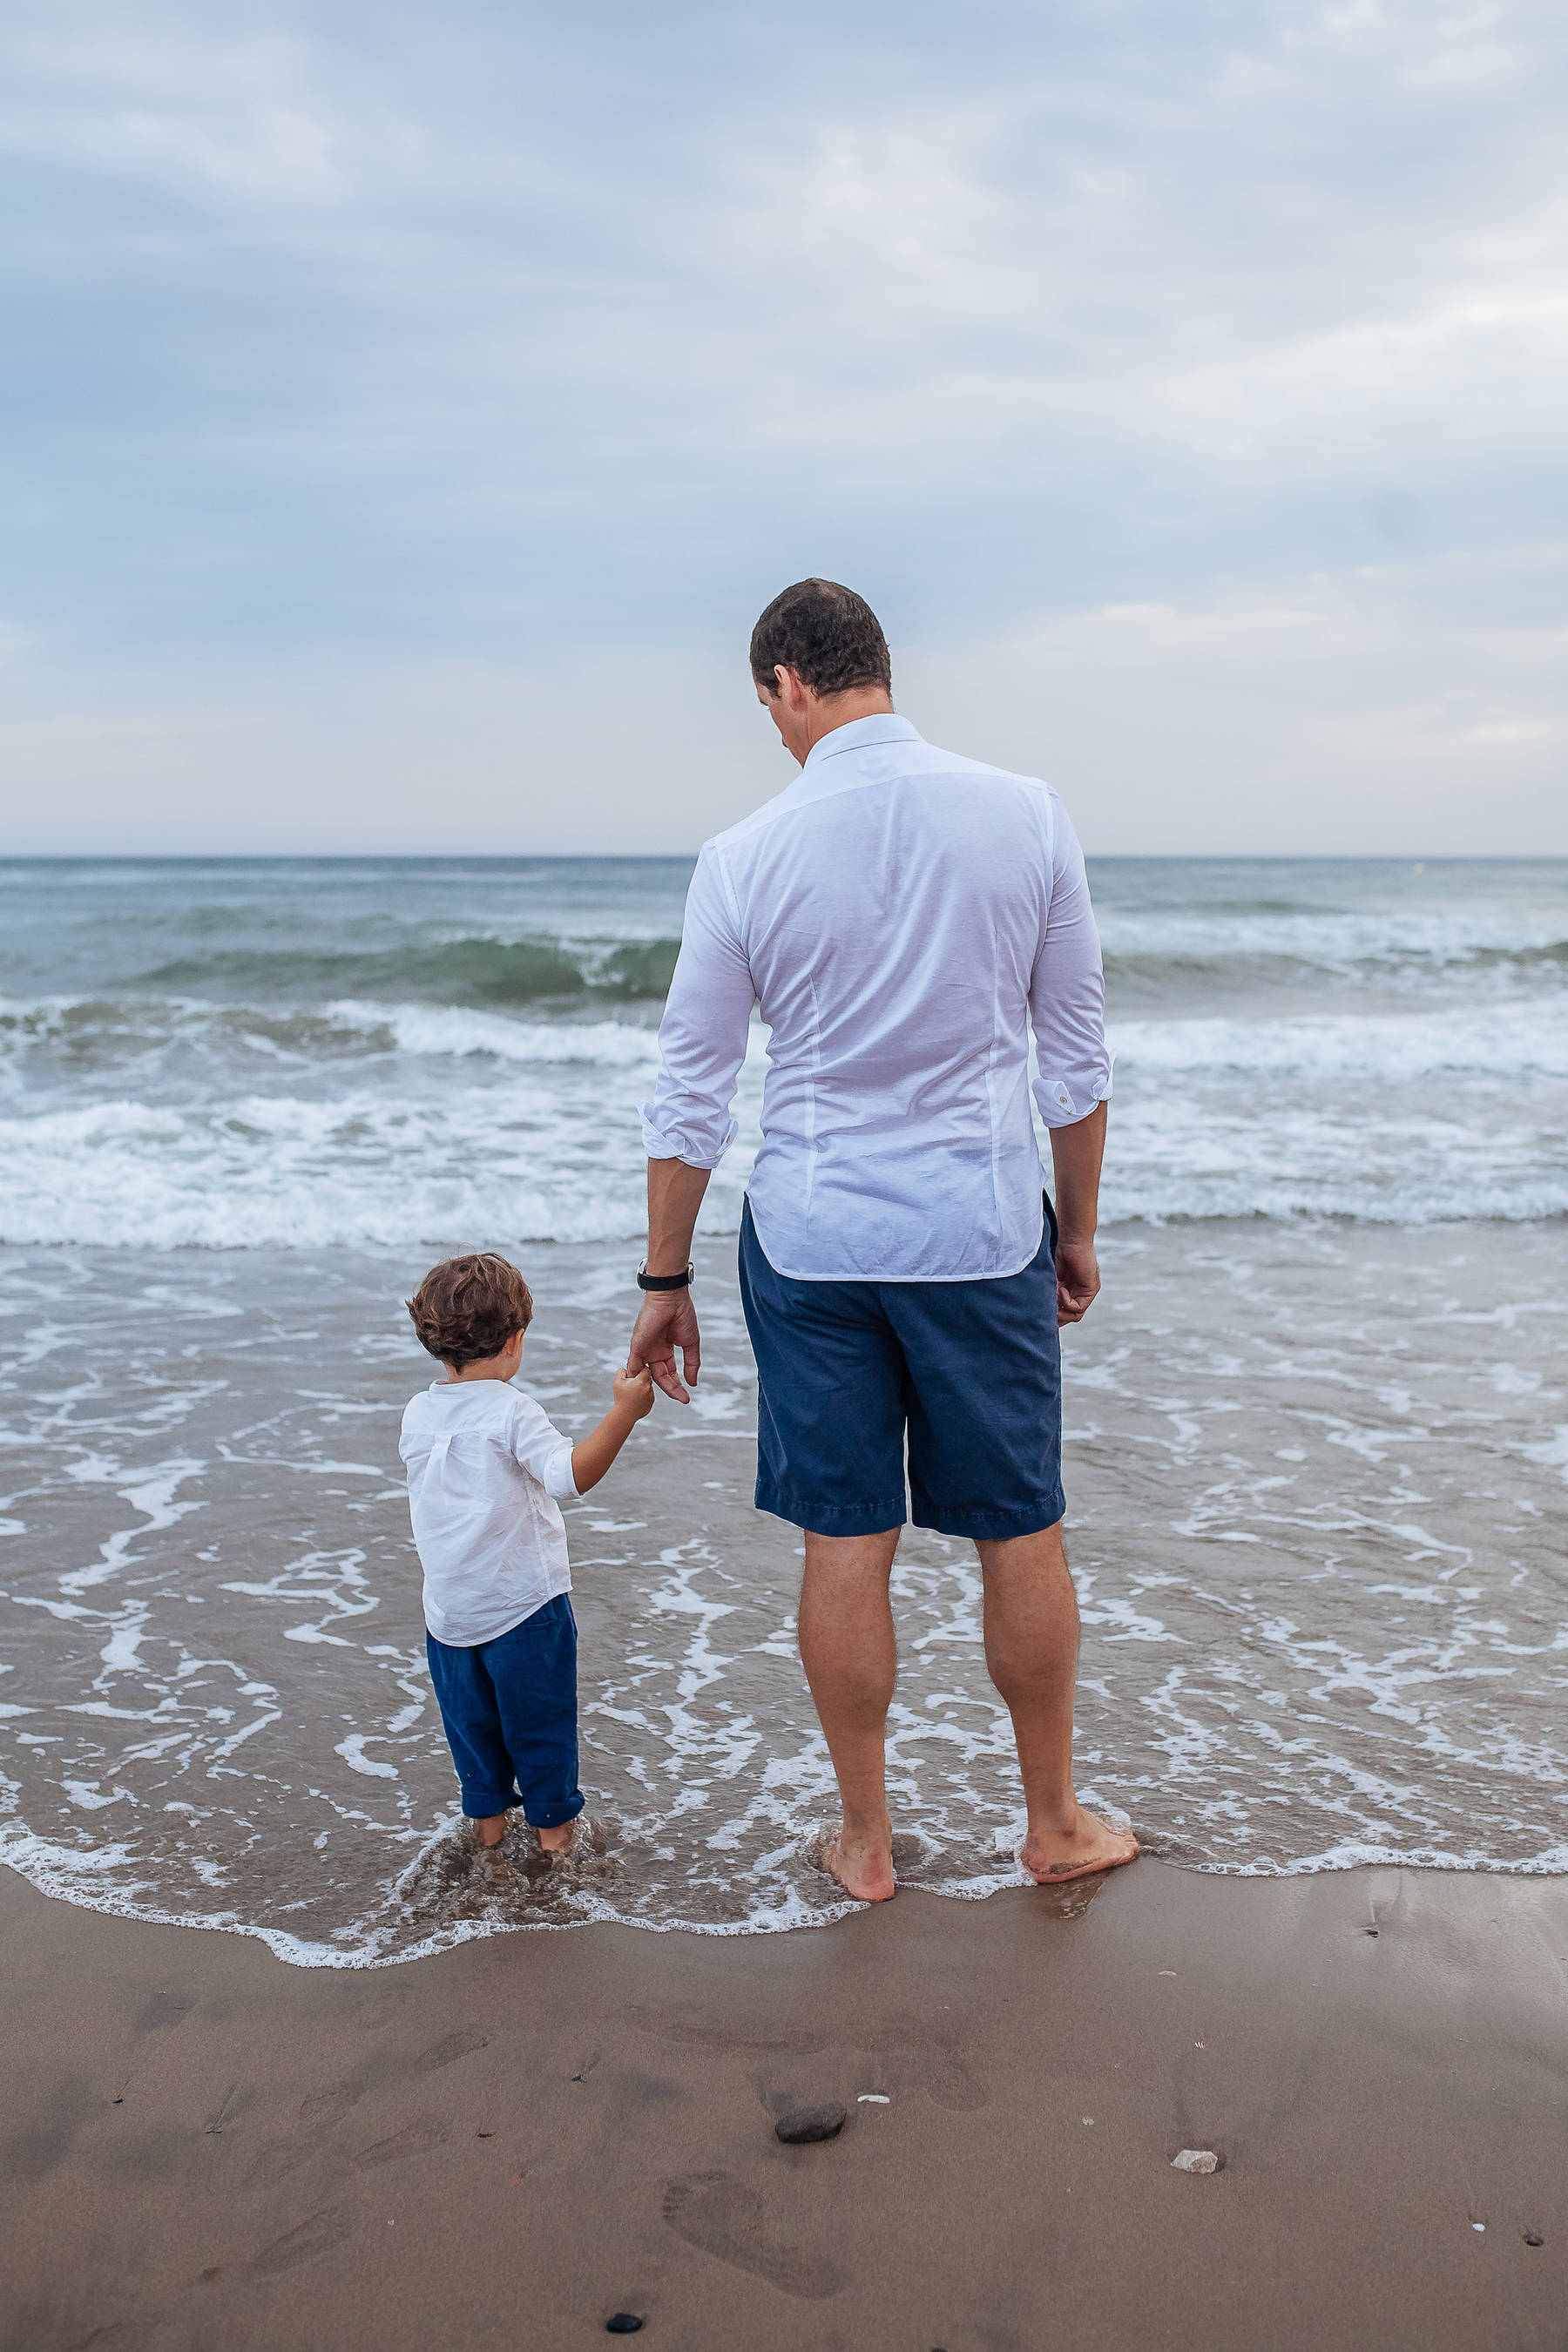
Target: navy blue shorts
(967,1373)
(510,1711)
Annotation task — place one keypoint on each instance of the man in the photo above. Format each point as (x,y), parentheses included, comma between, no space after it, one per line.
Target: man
(901,916)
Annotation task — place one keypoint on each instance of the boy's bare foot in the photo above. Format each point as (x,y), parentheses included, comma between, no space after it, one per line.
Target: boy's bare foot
(1075,1849)
(490,1831)
(559,1839)
(863,1865)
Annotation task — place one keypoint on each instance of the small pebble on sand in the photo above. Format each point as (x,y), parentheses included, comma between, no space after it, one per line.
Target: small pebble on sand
(873,2099)
(622,2323)
(804,2124)
(1195,2159)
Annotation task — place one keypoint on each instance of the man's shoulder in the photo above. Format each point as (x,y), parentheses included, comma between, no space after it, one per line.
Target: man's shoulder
(938,762)
(907,759)
(743,827)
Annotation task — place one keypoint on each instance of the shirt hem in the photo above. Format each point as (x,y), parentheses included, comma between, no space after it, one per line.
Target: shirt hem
(500,1632)
(856,1274)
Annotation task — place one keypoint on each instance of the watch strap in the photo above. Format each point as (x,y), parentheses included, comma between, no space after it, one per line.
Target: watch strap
(646,1281)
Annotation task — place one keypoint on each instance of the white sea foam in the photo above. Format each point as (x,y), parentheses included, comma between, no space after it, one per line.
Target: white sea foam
(1315,1553)
(1519,1039)
(436,1029)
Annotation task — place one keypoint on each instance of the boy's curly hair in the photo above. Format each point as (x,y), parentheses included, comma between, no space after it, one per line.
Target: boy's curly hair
(467,1308)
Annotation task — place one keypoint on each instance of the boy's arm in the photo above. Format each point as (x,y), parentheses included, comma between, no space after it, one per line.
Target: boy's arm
(593,1457)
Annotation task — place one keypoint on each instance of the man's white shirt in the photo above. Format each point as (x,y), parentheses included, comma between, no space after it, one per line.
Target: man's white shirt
(486,1465)
(901,916)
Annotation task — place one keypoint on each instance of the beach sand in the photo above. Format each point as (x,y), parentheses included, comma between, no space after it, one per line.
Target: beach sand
(504,2144)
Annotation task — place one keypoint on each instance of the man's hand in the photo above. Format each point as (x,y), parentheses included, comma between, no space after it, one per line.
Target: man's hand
(1078,1280)
(667,1321)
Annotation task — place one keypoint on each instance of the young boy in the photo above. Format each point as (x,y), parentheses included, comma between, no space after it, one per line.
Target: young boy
(485,1469)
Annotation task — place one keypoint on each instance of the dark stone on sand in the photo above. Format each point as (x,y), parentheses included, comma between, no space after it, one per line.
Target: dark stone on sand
(1531,2239)
(622,2323)
(804,2124)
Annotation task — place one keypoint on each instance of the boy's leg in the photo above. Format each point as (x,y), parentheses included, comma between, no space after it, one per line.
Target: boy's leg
(534,1670)
(470,1716)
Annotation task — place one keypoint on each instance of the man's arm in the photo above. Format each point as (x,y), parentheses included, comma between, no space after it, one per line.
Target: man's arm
(1067,1006)
(1076,1154)
(668,1319)
(688,1126)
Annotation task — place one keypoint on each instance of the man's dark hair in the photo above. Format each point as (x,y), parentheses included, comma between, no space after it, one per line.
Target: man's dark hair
(829,637)
(467,1308)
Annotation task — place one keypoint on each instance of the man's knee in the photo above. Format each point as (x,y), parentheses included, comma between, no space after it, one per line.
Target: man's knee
(1043,1552)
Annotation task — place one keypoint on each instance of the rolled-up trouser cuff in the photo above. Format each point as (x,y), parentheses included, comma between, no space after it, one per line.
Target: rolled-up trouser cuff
(550,1817)
(484,1805)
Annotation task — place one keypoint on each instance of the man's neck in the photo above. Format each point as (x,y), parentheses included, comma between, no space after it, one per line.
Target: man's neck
(827,713)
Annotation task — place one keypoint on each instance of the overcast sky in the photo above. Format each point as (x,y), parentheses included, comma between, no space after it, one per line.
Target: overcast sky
(409,410)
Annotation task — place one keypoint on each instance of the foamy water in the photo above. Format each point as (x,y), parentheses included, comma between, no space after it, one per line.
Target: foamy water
(1318,1430)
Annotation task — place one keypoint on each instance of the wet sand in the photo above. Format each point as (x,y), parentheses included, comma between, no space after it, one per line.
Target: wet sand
(503,2144)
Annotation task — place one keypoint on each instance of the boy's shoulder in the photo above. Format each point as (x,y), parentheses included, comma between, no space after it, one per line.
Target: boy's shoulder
(463,1404)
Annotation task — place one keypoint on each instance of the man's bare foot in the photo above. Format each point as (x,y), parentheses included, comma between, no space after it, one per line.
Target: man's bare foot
(490,1831)
(863,1866)
(559,1839)
(1076,1850)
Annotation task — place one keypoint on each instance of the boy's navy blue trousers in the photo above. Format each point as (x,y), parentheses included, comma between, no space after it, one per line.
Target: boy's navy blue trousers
(510,1708)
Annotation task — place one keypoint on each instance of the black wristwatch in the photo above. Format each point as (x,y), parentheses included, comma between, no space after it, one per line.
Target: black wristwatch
(646,1281)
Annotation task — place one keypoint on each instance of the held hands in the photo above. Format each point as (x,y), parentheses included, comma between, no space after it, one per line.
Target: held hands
(593,1457)
(667,1321)
(1078,1280)
(634,1395)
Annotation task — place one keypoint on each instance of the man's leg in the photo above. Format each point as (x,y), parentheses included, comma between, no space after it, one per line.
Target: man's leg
(1031,1649)
(851,1661)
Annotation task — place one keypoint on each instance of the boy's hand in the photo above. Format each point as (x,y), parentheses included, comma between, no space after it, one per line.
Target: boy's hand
(634,1393)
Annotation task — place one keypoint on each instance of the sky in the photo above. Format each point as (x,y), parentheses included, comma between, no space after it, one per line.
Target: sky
(408,412)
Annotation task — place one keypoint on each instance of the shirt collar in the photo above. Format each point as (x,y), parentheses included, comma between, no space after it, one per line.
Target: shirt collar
(881,727)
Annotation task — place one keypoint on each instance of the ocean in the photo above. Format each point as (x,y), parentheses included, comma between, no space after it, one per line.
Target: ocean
(1317,1423)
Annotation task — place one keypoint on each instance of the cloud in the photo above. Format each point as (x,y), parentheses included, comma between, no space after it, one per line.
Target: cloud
(511,345)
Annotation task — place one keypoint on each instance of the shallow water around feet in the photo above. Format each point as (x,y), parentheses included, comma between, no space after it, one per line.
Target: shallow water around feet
(1317,1478)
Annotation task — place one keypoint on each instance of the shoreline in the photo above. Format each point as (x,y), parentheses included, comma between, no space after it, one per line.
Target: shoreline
(319,1958)
(510,2140)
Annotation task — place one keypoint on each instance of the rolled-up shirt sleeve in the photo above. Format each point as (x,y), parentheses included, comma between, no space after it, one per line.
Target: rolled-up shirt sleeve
(1066,991)
(702,1037)
(544,1453)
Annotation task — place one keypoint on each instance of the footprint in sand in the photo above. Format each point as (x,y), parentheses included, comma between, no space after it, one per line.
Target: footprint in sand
(721,2216)
(788,2041)
(328,2105)
(164,2008)
(125,2336)
(412,2140)
(317,2234)
(453,2046)
(937,2069)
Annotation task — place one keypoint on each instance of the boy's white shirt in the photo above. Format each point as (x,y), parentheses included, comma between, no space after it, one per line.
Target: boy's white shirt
(486,1467)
